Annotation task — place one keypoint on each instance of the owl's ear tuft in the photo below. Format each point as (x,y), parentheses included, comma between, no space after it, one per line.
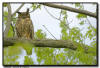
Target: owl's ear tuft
(19,12)
(27,10)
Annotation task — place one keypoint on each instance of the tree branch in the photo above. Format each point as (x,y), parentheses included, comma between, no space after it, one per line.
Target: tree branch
(49,31)
(70,9)
(13,29)
(42,43)
(18,9)
(51,14)
(89,23)
(8,21)
(46,43)
(9,18)
(66,25)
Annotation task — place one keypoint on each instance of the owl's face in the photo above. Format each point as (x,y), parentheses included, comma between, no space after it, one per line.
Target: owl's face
(24,14)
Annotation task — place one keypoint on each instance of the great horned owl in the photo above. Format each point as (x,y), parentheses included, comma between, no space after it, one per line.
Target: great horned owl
(24,26)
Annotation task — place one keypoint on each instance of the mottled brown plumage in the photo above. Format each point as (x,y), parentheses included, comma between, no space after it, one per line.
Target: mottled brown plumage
(24,26)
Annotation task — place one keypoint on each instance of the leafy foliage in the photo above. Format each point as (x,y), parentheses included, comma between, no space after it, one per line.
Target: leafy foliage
(81,16)
(81,23)
(36,6)
(26,46)
(11,55)
(75,34)
(28,61)
(79,6)
(10,33)
(4,4)
(64,26)
(39,34)
(91,33)
(44,55)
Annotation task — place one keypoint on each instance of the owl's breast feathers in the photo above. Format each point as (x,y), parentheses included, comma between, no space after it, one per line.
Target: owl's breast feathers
(24,28)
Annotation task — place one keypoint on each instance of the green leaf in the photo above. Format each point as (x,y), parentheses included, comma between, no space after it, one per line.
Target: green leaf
(93,44)
(40,35)
(81,23)
(12,50)
(14,20)
(5,13)
(36,6)
(77,5)
(10,33)
(5,16)
(28,61)
(5,4)
(39,6)
(80,48)
(63,12)
(81,16)
(27,46)
(10,60)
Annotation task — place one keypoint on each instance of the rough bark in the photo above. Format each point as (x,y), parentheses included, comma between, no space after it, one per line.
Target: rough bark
(47,43)
(41,43)
(70,9)
(8,21)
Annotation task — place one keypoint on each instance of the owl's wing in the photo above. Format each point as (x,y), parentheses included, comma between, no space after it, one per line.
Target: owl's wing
(17,27)
(31,30)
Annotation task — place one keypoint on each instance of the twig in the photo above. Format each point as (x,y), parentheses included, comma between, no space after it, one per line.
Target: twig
(51,14)
(89,23)
(49,31)
(60,15)
(13,29)
(57,18)
(34,9)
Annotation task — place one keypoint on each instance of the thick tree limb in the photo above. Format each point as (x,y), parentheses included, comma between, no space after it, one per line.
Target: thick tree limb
(8,20)
(42,43)
(70,9)
(47,43)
